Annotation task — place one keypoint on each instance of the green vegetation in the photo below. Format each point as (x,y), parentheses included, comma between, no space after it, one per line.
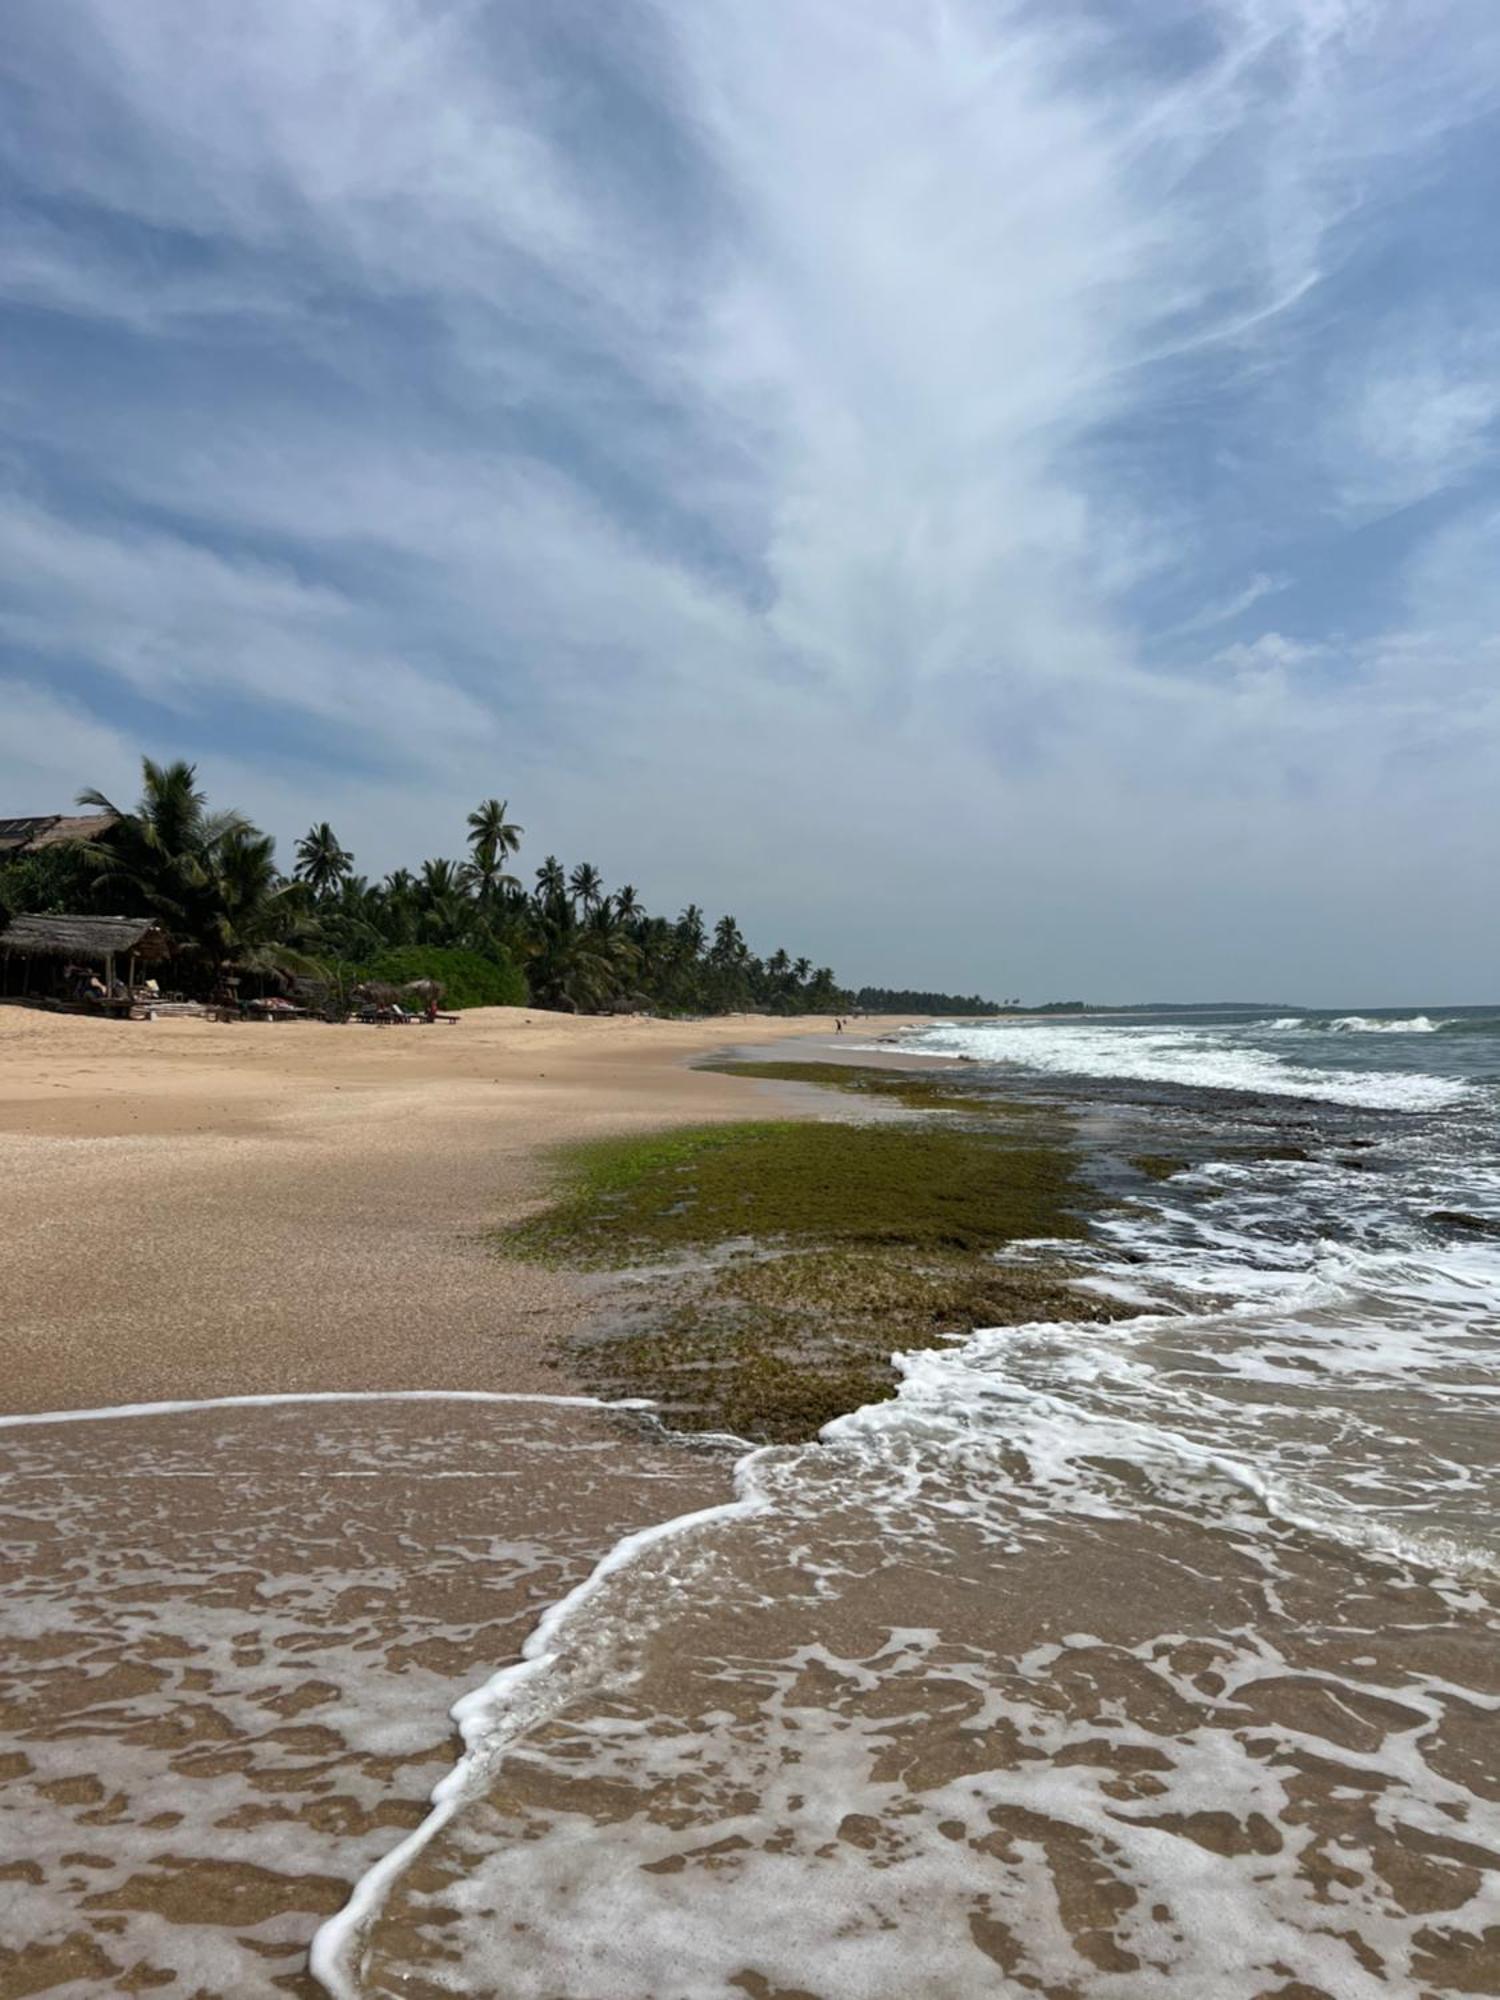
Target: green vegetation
(54,878)
(1159,1166)
(210,879)
(923,1187)
(467,979)
(922,1090)
(794,1258)
(909,1000)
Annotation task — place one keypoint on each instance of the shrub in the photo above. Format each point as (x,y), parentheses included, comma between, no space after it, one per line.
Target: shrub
(468,979)
(54,878)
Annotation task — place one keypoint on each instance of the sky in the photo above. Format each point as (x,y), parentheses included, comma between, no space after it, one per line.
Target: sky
(998,496)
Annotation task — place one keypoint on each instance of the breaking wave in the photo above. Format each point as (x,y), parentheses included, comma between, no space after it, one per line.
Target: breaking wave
(1203,1057)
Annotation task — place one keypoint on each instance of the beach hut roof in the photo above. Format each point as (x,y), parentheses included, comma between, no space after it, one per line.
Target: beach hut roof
(52,935)
(34,830)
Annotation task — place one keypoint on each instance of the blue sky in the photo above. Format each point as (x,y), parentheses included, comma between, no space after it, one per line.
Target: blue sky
(994,494)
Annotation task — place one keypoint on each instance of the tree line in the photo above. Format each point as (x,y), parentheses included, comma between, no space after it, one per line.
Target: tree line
(908,1000)
(563,939)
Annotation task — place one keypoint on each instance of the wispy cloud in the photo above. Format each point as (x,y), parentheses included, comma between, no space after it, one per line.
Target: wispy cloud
(1420,416)
(782,417)
(1224,611)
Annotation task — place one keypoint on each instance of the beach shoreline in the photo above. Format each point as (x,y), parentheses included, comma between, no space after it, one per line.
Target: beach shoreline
(203,1209)
(286,1236)
(236,1630)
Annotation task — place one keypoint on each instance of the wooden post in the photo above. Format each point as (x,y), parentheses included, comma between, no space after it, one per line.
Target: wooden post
(109,975)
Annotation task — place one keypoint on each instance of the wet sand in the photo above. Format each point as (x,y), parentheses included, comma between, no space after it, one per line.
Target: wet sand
(911,1729)
(231,1641)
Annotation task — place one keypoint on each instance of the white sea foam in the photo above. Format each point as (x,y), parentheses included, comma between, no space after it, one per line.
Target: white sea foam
(111,1412)
(870,1807)
(1201,1057)
(489,1717)
(1404,1024)
(1264,1456)
(261,1684)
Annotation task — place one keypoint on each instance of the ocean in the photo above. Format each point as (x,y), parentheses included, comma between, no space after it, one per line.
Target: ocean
(1152,1657)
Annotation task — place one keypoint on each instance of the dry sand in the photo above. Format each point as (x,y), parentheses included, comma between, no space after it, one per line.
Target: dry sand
(202,1209)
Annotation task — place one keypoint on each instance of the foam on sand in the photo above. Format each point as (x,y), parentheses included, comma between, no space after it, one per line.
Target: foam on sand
(1148,1659)
(745,1776)
(235,1629)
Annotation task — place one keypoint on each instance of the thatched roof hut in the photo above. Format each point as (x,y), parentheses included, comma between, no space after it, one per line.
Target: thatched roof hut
(32,831)
(68,941)
(92,939)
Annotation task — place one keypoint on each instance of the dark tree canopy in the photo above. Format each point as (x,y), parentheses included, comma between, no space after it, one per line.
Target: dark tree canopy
(572,941)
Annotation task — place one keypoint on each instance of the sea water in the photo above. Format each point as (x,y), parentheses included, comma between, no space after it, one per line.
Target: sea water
(1151,1658)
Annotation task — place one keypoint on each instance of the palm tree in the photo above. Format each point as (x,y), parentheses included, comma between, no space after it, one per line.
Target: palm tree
(576,965)
(656,941)
(210,878)
(729,945)
(489,827)
(322,862)
(357,920)
(160,857)
(438,879)
(447,919)
(823,995)
(551,883)
(484,873)
(585,884)
(261,916)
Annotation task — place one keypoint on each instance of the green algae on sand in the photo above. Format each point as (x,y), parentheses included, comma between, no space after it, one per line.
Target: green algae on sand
(919,1186)
(788,1260)
(919,1090)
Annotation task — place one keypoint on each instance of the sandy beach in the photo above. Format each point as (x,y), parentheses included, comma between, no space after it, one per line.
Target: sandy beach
(199,1209)
(233,1635)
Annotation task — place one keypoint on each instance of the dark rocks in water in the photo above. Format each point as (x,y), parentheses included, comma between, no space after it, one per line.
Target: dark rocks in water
(1459,1220)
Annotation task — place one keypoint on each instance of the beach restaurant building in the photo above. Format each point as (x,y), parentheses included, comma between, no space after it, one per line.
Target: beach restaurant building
(41,956)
